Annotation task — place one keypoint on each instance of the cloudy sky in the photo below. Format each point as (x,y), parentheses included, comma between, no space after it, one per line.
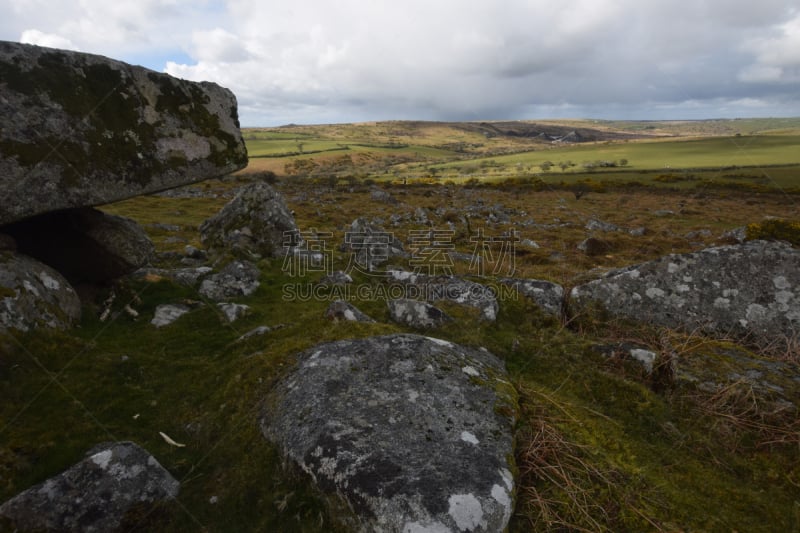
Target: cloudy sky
(320,61)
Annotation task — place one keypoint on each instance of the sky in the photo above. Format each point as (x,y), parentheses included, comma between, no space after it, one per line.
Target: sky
(319,61)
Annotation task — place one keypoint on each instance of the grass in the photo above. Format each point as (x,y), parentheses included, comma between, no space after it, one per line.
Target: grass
(600,445)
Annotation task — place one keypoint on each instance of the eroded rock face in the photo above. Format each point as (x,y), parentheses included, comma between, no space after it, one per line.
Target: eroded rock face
(256,223)
(94,494)
(414,432)
(751,290)
(34,295)
(84,244)
(83,130)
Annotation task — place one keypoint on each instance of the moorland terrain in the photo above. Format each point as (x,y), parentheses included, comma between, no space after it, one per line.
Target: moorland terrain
(602,444)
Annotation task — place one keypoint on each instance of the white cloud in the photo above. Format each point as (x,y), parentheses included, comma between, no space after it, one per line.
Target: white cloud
(46,39)
(317,61)
(777,56)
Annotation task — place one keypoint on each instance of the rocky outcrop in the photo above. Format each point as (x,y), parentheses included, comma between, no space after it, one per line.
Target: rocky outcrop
(82,130)
(751,290)
(256,223)
(84,244)
(415,433)
(34,295)
(95,494)
(417,314)
(449,288)
(237,279)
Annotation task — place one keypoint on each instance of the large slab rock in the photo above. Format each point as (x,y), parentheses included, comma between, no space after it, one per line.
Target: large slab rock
(414,432)
(751,289)
(82,130)
(84,244)
(34,295)
(94,494)
(256,223)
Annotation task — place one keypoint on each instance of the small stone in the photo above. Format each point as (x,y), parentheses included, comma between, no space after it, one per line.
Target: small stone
(232,311)
(345,311)
(417,314)
(166,314)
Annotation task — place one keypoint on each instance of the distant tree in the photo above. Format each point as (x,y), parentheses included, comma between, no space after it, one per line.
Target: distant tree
(623,162)
(564,165)
(545,166)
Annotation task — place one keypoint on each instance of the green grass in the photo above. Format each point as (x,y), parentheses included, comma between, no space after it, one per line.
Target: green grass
(639,454)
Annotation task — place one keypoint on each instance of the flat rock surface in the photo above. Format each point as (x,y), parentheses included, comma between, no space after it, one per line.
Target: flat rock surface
(94,494)
(751,290)
(450,288)
(416,433)
(82,130)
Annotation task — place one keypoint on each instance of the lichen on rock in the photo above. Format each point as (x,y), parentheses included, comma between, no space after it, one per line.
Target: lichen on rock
(85,130)
(413,432)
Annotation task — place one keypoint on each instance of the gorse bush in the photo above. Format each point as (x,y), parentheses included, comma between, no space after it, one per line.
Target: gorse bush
(775,230)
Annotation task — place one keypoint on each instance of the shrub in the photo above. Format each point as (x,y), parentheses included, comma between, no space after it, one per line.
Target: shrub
(775,230)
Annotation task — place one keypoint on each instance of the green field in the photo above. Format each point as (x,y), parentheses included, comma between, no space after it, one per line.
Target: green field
(716,152)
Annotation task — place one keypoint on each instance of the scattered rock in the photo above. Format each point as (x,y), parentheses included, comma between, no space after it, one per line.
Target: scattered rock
(664,213)
(417,314)
(415,433)
(95,494)
(593,246)
(379,195)
(750,289)
(188,277)
(371,245)
(736,235)
(528,243)
(34,295)
(232,311)
(84,244)
(599,225)
(637,232)
(166,314)
(547,295)
(699,234)
(450,288)
(239,278)
(345,311)
(421,216)
(255,332)
(195,253)
(629,351)
(121,131)
(336,278)
(256,223)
